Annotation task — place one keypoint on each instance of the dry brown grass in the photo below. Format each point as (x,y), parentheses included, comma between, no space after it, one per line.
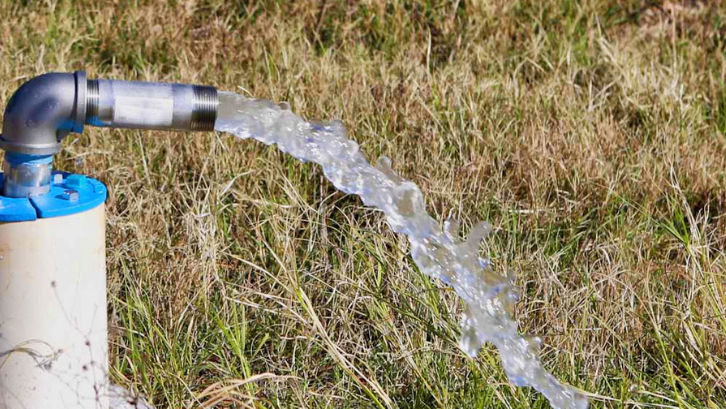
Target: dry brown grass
(591,135)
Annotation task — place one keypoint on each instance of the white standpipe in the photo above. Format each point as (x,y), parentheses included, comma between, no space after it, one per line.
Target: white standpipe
(53,331)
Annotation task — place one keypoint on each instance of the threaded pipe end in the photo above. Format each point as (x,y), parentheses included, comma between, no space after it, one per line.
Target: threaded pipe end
(92,100)
(204,112)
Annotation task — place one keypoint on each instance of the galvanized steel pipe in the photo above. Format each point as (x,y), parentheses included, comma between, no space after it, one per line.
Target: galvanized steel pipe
(48,107)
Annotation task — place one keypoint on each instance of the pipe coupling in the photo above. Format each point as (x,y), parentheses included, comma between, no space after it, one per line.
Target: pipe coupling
(26,175)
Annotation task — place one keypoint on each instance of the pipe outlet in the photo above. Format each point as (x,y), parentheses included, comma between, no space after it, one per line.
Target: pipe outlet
(150,105)
(48,107)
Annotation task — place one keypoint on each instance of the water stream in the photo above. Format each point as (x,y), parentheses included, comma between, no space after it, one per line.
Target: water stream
(438,252)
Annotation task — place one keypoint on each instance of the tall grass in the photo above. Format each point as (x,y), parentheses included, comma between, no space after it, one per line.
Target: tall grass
(591,134)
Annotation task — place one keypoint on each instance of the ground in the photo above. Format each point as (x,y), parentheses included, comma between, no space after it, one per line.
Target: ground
(590,134)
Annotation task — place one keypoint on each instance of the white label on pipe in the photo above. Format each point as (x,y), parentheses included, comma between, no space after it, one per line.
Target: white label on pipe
(143,111)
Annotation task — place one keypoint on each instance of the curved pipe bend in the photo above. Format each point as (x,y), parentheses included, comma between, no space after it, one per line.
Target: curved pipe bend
(43,111)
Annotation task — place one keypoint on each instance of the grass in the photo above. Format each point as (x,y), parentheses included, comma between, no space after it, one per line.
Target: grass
(591,134)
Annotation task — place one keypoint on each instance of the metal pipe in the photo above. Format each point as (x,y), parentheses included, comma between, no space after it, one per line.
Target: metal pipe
(48,107)
(150,105)
(29,175)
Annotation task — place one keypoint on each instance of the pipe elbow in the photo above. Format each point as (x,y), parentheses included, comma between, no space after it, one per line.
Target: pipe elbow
(43,111)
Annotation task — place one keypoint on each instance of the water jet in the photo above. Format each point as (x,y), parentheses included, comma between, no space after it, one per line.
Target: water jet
(52,272)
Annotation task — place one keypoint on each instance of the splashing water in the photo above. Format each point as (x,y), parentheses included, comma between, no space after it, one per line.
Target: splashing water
(438,252)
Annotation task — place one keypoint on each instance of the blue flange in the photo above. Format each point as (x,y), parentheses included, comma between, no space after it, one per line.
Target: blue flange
(69,194)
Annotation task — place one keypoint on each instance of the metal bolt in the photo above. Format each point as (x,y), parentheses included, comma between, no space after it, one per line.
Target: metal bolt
(70,195)
(57,178)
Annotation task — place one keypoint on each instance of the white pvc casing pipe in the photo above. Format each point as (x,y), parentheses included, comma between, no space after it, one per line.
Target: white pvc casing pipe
(53,330)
